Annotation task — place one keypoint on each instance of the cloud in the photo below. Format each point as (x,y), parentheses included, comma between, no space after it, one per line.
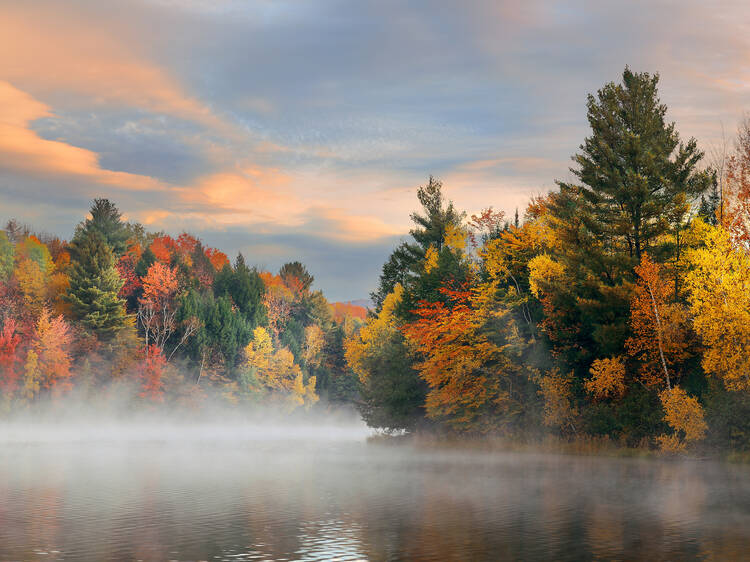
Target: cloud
(288,122)
(23,150)
(52,51)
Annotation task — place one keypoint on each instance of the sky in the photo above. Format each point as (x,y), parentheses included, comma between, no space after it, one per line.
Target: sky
(298,130)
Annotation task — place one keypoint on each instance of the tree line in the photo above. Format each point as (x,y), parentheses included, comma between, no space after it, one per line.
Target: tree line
(168,318)
(617,306)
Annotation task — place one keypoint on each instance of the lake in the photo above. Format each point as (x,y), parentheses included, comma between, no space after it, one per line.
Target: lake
(323,493)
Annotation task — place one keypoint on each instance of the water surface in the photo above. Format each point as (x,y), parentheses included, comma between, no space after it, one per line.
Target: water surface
(216,493)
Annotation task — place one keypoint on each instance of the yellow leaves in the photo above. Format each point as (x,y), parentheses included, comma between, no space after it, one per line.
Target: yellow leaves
(33,283)
(313,346)
(493,255)
(607,378)
(430,259)
(376,332)
(456,238)
(544,270)
(684,415)
(32,376)
(258,351)
(555,390)
(718,287)
(277,372)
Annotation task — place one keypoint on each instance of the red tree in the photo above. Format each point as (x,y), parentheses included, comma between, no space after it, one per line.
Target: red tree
(9,340)
(150,372)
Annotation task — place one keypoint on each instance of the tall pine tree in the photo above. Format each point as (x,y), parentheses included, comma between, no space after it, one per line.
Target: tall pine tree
(634,172)
(94,286)
(106,220)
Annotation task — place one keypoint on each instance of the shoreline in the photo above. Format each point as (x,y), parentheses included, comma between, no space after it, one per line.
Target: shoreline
(582,446)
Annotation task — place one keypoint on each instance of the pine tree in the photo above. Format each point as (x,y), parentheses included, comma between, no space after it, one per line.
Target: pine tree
(404,264)
(6,256)
(633,169)
(246,289)
(707,210)
(107,221)
(94,286)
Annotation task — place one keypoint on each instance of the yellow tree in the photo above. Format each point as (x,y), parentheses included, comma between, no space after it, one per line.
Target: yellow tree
(32,281)
(718,287)
(313,345)
(392,394)
(362,345)
(607,378)
(276,371)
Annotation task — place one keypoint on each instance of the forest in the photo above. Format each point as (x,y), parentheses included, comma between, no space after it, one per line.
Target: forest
(616,306)
(121,312)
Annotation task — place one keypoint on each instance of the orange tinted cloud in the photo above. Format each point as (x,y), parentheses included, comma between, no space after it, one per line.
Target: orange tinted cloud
(47,51)
(23,150)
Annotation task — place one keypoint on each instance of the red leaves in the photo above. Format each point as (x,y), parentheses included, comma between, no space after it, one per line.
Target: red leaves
(150,372)
(9,357)
(218,259)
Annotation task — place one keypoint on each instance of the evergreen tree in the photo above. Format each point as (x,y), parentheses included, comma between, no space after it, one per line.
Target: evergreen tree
(634,172)
(147,260)
(290,272)
(637,181)
(404,264)
(94,286)
(106,220)
(709,206)
(246,289)
(6,256)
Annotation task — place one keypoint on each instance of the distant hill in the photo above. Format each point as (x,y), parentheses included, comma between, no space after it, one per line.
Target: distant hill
(356,309)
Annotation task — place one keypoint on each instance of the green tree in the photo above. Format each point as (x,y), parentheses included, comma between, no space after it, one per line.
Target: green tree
(246,289)
(296,276)
(106,220)
(430,228)
(94,286)
(392,394)
(6,256)
(405,266)
(635,174)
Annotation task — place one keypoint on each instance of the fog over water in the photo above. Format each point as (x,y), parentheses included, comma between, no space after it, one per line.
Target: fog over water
(316,489)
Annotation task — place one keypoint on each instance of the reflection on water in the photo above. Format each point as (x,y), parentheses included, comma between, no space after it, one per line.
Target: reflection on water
(308,499)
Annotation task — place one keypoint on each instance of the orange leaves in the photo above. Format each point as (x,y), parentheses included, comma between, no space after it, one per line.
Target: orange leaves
(150,372)
(162,248)
(157,310)
(48,361)
(736,197)
(343,309)
(159,284)
(559,411)
(661,337)
(218,259)
(466,372)
(126,268)
(607,378)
